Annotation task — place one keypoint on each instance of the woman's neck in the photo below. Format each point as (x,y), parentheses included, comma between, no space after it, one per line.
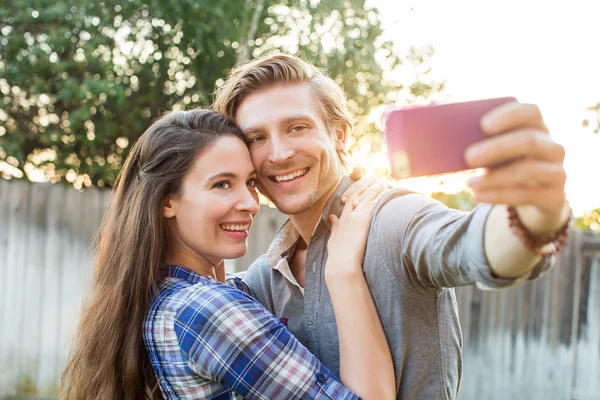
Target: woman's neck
(198,263)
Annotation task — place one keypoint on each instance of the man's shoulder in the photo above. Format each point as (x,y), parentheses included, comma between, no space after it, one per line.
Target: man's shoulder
(259,270)
(396,213)
(401,205)
(260,265)
(259,278)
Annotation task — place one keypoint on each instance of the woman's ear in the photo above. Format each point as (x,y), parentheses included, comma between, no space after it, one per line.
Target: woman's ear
(169,207)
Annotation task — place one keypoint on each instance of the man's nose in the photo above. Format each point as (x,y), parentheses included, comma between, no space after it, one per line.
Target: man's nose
(280,150)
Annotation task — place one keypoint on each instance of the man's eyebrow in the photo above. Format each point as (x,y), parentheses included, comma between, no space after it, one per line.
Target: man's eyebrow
(293,118)
(287,120)
(252,130)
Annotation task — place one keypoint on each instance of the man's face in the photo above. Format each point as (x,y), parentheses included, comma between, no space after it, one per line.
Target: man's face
(291,148)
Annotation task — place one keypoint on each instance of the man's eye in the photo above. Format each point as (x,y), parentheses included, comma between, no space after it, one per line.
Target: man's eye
(298,128)
(222,185)
(256,139)
(251,182)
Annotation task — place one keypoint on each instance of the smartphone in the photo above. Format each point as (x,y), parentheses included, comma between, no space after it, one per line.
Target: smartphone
(432,139)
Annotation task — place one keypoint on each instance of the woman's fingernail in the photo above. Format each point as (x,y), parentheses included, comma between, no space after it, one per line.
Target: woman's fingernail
(344,198)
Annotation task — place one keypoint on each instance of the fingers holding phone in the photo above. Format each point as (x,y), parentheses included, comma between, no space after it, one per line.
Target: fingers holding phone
(512,115)
(524,166)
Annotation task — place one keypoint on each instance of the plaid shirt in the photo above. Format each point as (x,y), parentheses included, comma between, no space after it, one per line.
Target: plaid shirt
(209,340)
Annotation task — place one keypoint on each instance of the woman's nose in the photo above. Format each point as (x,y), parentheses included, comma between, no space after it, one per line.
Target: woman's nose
(249,201)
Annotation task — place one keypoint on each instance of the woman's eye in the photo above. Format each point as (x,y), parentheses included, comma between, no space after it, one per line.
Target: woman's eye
(222,185)
(251,182)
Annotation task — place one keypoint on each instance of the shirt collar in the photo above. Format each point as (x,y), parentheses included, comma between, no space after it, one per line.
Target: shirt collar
(288,235)
(334,205)
(179,272)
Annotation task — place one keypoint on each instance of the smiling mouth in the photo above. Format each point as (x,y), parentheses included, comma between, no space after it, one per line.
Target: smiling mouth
(289,177)
(235,227)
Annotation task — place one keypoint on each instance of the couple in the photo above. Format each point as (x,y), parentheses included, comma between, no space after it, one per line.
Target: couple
(361,291)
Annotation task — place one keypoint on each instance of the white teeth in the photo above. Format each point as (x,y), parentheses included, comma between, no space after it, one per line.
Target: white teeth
(236,227)
(288,177)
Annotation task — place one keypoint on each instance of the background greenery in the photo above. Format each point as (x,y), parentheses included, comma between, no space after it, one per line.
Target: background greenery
(80,81)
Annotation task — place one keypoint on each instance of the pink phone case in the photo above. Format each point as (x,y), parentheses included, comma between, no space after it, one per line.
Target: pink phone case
(432,139)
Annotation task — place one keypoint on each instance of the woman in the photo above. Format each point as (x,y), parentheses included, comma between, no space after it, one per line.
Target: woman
(162,306)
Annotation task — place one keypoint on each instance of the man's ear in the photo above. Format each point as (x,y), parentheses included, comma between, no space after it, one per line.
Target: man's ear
(341,136)
(169,207)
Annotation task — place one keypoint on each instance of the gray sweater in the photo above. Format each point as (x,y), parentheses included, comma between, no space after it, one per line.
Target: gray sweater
(418,250)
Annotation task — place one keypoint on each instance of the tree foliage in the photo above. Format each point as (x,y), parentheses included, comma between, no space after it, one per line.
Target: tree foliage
(80,80)
(463,201)
(589,220)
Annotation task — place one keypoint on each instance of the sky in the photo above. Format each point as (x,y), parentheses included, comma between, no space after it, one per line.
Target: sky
(541,52)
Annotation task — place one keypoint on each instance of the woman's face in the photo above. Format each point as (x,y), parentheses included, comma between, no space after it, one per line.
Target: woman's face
(211,218)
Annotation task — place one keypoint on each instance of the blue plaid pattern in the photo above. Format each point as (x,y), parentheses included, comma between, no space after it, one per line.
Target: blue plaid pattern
(209,340)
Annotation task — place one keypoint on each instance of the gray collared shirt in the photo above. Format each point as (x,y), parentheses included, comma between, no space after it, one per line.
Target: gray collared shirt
(417,251)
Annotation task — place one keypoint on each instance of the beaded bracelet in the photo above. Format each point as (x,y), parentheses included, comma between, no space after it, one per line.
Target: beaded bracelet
(544,245)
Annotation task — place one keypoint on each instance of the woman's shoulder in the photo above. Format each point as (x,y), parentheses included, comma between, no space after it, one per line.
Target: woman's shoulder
(236,282)
(176,294)
(215,306)
(209,296)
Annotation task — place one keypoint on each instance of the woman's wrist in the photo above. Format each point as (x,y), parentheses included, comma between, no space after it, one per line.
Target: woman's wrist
(341,277)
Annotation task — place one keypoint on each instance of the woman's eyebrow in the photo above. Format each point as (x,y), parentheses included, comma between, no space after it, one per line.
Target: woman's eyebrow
(222,175)
(229,175)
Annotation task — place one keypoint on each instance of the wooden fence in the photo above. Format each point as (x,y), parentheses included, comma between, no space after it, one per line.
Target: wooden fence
(540,340)
(537,341)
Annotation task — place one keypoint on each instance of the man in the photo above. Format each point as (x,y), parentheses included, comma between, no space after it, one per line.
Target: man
(297,122)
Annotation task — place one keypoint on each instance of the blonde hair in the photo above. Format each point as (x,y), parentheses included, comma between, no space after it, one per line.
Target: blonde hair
(261,73)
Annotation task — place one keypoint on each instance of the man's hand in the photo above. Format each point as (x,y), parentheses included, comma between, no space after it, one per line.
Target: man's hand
(524,167)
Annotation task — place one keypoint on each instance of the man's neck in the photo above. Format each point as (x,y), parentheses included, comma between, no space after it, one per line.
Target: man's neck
(306,221)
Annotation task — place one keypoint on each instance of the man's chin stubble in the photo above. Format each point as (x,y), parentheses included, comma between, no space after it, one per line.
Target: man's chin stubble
(292,210)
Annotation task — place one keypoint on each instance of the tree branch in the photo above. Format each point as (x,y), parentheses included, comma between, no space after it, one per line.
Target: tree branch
(243,54)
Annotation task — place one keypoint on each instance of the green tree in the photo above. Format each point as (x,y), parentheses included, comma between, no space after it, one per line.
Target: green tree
(80,80)
(589,220)
(463,201)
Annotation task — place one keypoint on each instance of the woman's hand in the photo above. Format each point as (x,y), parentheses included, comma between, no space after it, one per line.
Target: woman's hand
(365,359)
(361,185)
(348,240)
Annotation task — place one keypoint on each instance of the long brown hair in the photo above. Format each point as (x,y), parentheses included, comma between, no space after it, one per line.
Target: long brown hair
(109,360)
